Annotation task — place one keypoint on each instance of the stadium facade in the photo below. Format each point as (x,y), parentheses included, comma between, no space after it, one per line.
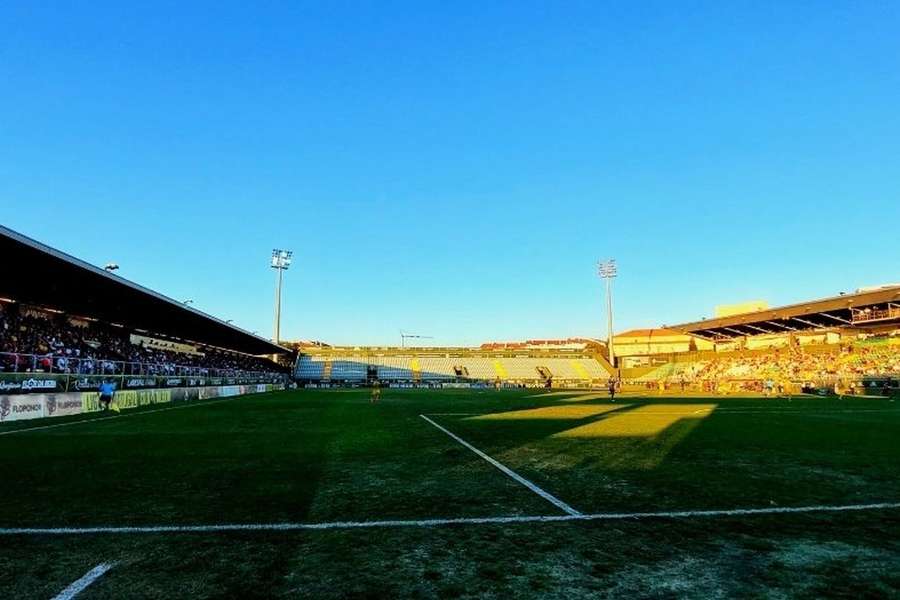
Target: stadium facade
(544,363)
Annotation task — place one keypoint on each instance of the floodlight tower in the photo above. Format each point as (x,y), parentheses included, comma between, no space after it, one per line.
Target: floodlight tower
(608,271)
(281,260)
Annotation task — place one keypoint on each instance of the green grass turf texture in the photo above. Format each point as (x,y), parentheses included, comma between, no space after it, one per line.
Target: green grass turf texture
(318,456)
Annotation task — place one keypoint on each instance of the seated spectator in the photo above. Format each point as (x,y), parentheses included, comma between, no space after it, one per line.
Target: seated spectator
(34,341)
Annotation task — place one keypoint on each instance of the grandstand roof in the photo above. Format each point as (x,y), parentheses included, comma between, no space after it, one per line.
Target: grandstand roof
(642,333)
(863,309)
(37,274)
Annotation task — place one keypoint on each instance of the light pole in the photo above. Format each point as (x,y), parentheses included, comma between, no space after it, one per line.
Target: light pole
(607,270)
(281,260)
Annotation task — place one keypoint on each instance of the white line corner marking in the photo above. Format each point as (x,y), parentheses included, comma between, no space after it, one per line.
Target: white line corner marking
(79,586)
(512,474)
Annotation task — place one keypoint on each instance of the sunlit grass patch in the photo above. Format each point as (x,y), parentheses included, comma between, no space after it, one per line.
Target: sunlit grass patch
(645,421)
(585,397)
(581,396)
(578,411)
(556,394)
(643,453)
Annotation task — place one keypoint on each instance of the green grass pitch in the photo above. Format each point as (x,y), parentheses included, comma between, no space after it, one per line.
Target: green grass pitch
(330,456)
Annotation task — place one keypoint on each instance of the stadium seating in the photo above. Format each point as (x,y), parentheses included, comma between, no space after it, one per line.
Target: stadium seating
(33,340)
(311,367)
(808,364)
(478,368)
(435,369)
(349,369)
(393,368)
(674,372)
(356,367)
(522,368)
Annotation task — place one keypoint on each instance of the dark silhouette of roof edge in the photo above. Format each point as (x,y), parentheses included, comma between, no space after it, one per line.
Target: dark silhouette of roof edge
(257,344)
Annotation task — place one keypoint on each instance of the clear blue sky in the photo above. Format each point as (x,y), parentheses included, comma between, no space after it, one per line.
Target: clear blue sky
(455,168)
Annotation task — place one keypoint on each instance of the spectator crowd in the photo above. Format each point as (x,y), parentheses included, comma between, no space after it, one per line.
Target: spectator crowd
(38,341)
(848,367)
(849,361)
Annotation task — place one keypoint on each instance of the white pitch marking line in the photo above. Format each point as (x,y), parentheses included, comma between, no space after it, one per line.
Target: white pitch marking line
(683,514)
(796,411)
(119,416)
(727,411)
(79,586)
(515,476)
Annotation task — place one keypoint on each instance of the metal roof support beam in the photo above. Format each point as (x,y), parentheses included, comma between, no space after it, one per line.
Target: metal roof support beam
(838,319)
(783,326)
(810,323)
(740,333)
(760,329)
(703,335)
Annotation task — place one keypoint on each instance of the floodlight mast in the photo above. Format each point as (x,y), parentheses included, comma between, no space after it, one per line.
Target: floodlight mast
(281,260)
(607,270)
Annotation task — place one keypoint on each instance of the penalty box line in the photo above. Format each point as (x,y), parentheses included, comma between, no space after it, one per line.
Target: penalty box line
(638,516)
(509,472)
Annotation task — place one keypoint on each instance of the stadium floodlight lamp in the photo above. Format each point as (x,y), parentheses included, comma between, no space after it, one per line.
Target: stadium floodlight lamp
(188,302)
(281,259)
(607,269)
(110,267)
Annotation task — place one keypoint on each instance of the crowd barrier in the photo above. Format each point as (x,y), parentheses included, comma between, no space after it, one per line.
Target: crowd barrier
(19,407)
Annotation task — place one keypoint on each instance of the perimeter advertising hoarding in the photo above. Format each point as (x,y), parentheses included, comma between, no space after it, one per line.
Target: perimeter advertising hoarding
(25,383)
(90,401)
(16,408)
(34,406)
(61,405)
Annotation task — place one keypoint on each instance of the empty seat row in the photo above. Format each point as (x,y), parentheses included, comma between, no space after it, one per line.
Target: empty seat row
(430,368)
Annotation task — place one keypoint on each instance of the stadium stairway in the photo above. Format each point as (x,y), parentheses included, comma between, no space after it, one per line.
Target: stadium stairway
(500,370)
(607,366)
(661,372)
(416,370)
(544,373)
(579,368)
(326,370)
